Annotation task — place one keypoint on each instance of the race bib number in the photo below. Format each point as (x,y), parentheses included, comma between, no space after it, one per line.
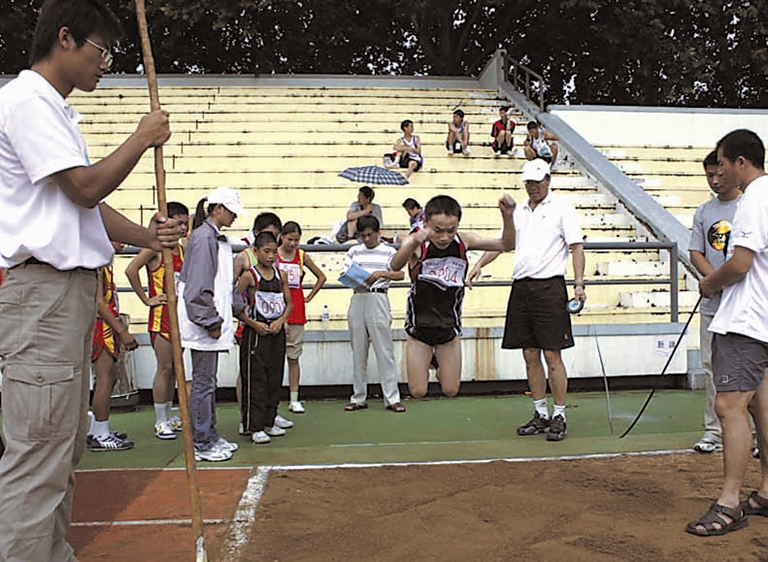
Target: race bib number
(270,305)
(444,272)
(293,271)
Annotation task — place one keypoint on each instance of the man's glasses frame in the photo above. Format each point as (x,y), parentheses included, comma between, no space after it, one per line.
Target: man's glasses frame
(106,54)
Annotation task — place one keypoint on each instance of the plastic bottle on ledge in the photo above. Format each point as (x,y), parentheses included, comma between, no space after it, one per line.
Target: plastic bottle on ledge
(326,317)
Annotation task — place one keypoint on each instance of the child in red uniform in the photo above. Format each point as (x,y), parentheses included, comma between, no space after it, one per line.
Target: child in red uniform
(291,259)
(109,335)
(166,425)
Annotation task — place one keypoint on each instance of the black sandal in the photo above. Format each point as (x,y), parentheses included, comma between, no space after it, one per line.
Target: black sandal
(705,525)
(396,407)
(762,505)
(354,407)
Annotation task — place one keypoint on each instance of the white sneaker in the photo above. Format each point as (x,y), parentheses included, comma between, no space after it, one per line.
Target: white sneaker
(465,151)
(241,429)
(708,444)
(260,437)
(214,454)
(175,423)
(283,423)
(163,430)
(296,407)
(274,431)
(225,445)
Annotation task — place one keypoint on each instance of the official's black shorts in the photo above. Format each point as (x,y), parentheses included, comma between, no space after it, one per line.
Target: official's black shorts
(738,362)
(536,315)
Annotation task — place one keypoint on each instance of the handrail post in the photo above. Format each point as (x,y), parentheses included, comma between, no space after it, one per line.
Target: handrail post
(674,285)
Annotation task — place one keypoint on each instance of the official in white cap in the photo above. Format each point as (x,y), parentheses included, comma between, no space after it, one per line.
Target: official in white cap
(546,227)
(205,317)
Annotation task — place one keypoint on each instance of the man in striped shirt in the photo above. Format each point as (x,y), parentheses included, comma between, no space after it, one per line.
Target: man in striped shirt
(370,317)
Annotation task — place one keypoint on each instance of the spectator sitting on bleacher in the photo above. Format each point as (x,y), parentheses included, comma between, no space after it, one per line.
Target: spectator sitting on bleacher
(540,144)
(407,153)
(415,213)
(458,135)
(501,131)
(363,206)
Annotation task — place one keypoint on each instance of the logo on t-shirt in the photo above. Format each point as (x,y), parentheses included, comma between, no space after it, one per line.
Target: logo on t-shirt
(718,235)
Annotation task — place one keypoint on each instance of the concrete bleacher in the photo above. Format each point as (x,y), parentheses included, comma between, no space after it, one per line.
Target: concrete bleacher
(284,147)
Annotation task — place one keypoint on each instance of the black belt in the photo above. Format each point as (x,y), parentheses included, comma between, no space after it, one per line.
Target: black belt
(382,291)
(35,261)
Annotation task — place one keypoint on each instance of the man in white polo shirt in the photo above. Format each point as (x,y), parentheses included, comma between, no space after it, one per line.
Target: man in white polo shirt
(740,335)
(55,232)
(546,227)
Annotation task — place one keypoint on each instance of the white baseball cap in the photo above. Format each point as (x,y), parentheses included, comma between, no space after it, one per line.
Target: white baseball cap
(535,170)
(228,197)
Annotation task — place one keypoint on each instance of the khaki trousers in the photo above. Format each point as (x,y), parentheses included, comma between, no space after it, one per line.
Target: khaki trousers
(370,322)
(46,325)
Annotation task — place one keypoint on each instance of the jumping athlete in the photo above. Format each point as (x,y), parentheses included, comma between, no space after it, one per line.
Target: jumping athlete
(436,256)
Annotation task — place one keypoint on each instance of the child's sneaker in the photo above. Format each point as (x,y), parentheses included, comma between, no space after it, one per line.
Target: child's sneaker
(110,443)
(214,454)
(175,423)
(274,431)
(283,423)
(296,407)
(260,437)
(163,430)
(225,445)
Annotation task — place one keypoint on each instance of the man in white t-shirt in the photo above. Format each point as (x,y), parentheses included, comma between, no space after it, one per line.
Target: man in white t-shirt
(55,232)
(546,229)
(740,340)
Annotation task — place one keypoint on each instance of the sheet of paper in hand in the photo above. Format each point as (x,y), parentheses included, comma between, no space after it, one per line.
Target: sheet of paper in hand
(354,276)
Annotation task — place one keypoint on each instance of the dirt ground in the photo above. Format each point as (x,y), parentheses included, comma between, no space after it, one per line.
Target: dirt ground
(628,508)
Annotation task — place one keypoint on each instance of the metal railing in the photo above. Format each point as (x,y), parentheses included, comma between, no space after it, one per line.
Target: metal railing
(671,280)
(525,81)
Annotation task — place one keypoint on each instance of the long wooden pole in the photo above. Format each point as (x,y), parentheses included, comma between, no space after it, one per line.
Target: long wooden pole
(170,284)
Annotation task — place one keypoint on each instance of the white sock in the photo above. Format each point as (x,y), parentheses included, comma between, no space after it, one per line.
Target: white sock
(541,408)
(294,396)
(161,413)
(558,411)
(100,429)
(168,405)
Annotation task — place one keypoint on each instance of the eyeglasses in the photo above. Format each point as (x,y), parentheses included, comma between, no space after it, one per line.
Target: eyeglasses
(106,55)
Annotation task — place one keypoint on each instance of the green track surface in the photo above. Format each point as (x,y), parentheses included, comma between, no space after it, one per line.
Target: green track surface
(439,429)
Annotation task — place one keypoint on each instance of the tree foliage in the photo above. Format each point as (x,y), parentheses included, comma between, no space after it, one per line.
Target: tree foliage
(654,52)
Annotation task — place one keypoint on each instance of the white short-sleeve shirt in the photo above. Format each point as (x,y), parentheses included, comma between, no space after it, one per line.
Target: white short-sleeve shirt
(377,259)
(39,136)
(744,305)
(543,236)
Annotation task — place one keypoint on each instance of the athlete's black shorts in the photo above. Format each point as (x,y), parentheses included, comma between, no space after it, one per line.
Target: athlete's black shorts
(536,315)
(432,336)
(406,159)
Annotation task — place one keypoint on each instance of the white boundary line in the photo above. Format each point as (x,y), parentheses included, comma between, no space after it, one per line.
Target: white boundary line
(146,522)
(481,461)
(242,522)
